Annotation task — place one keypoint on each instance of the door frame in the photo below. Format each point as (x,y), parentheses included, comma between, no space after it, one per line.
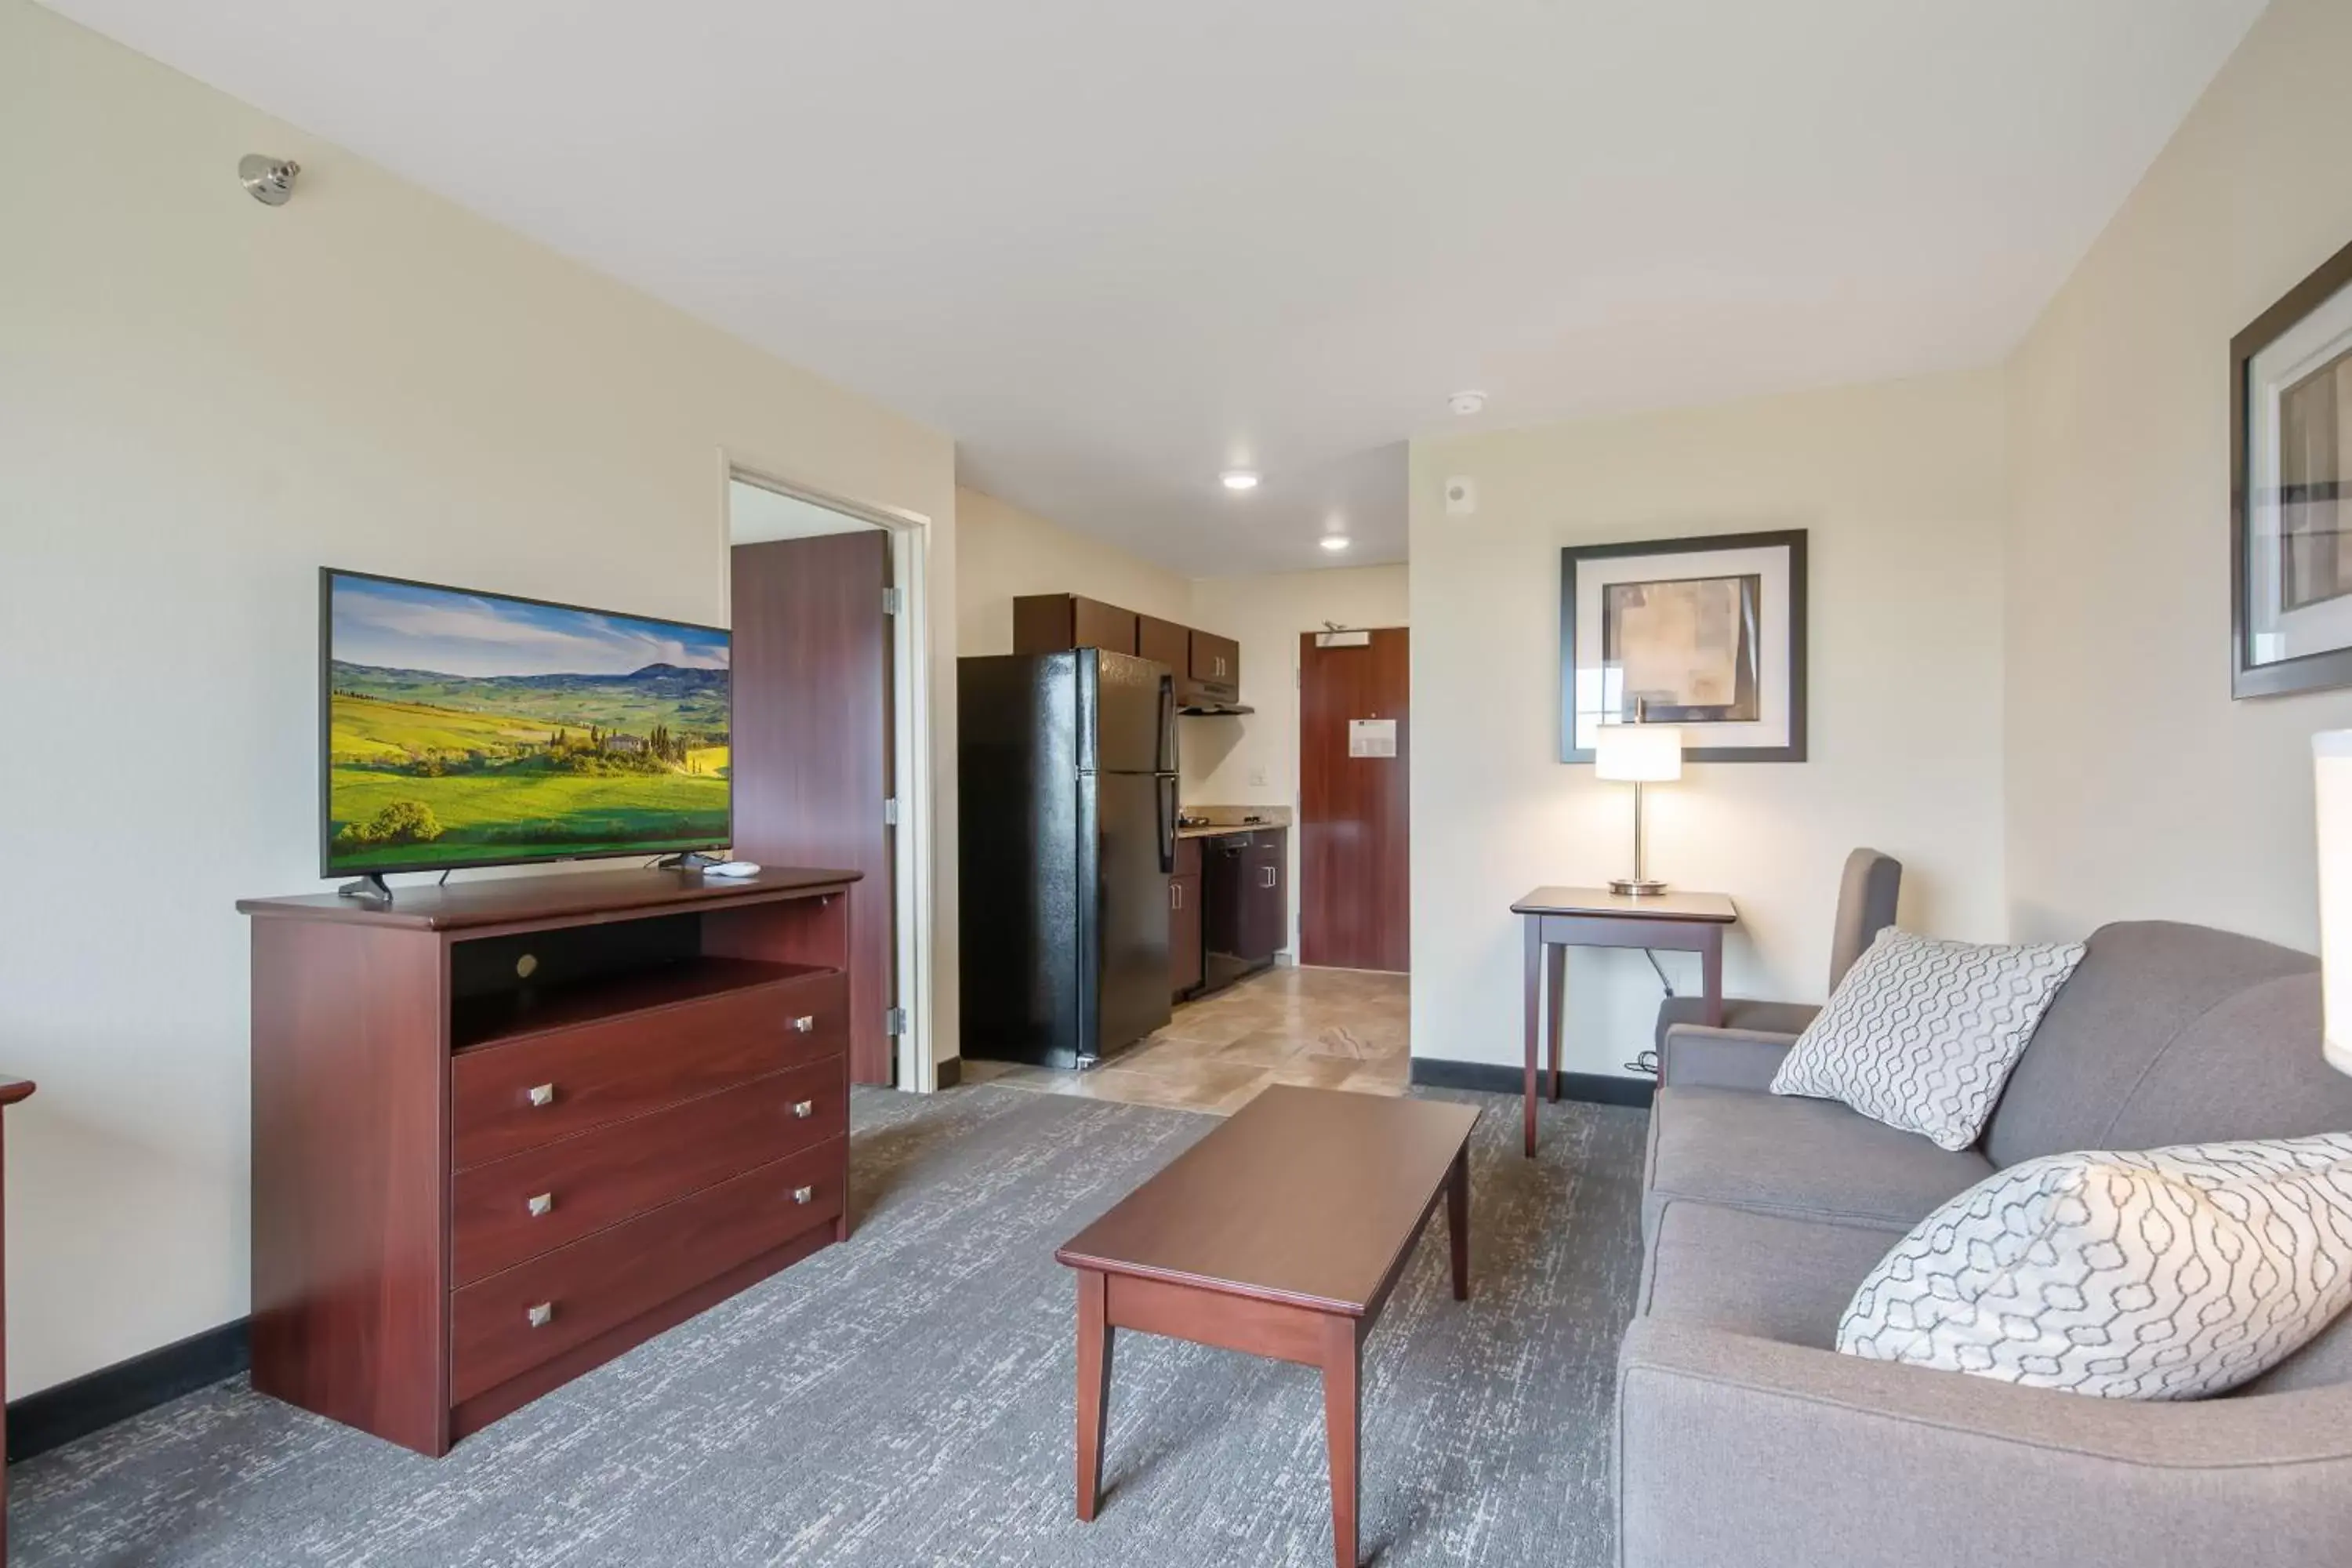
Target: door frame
(913,888)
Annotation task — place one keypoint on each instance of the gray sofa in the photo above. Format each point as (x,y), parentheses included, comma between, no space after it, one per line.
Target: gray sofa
(1743,1440)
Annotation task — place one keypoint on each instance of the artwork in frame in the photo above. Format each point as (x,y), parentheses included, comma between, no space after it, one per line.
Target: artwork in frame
(2291,490)
(1706,633)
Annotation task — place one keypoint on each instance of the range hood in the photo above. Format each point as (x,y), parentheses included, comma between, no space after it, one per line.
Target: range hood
(1199,705)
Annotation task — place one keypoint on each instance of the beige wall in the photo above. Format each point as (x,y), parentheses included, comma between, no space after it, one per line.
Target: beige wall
(2136,786)
(1901,487)
(202,400)
(1252,759)
(1004,552)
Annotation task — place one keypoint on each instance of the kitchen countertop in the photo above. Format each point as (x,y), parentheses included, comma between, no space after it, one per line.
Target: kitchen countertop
(1224,819)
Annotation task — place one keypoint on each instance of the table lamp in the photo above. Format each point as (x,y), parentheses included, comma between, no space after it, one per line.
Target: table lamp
(2331,757)
(1642,754)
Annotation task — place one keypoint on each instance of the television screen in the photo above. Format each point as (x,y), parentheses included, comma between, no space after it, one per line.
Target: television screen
(466,729)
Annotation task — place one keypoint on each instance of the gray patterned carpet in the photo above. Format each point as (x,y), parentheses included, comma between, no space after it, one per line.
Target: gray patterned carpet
(907,1399)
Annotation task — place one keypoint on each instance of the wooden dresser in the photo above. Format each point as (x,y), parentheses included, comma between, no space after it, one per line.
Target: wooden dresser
(505,1129)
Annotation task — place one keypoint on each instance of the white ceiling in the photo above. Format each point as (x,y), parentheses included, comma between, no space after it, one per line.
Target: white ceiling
(1113,248)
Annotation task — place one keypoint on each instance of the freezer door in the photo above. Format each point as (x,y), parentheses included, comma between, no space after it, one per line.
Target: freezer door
(1125,715)
(1123,909)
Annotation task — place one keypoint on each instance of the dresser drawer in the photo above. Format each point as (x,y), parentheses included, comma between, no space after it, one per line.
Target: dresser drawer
(519,1094)
(503,1326)
(522,1206)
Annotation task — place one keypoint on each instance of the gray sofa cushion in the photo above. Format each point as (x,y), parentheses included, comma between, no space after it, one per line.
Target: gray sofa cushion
(2141,985)
(1808,1157)
(1774,1275)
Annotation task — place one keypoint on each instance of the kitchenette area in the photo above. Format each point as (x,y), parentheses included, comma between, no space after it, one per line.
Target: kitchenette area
(1119,942)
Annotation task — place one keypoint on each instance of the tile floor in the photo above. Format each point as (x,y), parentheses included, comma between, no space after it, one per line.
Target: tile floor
(1330,1028)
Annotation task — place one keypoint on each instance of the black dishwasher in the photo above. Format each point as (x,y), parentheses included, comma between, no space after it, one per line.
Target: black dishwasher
(1243,906)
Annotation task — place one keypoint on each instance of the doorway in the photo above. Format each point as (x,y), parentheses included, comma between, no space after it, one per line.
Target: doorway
(817,736)
(1354,824)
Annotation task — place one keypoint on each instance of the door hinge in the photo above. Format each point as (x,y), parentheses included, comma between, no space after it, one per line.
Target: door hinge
(894,1022)
(890,601)
(890,812)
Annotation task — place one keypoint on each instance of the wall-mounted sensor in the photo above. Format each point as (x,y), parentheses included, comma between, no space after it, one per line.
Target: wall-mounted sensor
(268,180)
(1461,497)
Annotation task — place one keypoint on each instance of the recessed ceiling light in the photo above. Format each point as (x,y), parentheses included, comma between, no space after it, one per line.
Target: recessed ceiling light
(1335,541)
(1239,478)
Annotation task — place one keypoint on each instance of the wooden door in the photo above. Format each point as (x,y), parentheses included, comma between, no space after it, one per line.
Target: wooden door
(1353,827)
(812,744)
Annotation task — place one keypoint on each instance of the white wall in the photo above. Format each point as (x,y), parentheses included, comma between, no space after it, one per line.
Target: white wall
(2136,786)
(1004,552)
(1901,487)
(1253,759)
(202,400)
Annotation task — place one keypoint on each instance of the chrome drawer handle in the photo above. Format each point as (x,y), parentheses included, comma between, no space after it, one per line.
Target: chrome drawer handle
(541,1314)
(805,1024)
(542,1094)
(804,1109)
(804,1194)
(540,1203)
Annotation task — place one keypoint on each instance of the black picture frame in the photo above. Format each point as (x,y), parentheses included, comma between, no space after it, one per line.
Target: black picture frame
(2312,671)
(328,870)
(1792,540)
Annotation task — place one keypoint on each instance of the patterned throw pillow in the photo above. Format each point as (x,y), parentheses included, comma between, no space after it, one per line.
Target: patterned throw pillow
(2169,1274)
(1921,1034)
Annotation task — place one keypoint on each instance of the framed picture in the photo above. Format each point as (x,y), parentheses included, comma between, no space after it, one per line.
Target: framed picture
(2291,490)
(1708,633)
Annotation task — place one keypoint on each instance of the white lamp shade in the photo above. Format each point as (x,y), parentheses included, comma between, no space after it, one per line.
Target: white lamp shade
(2331,756)
(1652,753)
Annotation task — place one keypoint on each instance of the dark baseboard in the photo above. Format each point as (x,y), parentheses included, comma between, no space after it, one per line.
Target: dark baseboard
(55,1416)
(950,1073)
(1493,1078)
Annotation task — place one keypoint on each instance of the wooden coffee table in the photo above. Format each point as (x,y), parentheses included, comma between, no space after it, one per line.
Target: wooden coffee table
(1280,1234)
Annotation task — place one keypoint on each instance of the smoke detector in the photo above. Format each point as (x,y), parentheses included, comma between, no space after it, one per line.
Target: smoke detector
(1467,403)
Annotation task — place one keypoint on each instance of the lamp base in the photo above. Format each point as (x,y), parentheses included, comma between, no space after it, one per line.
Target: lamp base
(1636,887)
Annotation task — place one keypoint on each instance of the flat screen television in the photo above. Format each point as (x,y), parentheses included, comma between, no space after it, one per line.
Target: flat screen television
(460,729)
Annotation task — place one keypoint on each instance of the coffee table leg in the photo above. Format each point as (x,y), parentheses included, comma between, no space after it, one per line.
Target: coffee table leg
(1343,1370)
(1094,1389)
(1457,1221)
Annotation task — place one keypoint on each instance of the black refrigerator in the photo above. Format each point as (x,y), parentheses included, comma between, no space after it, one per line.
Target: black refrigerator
(1066,779)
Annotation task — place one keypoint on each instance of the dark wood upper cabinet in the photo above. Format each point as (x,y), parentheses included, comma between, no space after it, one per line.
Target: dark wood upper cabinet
(1165,642)
(1207,667)
(1049,623)
(1216,661)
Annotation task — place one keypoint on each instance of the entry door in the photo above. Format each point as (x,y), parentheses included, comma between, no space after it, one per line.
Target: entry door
(812,744)
(1354,834)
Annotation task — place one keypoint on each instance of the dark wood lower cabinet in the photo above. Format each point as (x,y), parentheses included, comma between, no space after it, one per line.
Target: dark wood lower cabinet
(472,1182)
(1184,933)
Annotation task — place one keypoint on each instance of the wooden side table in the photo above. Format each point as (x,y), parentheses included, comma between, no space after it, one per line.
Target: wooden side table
(11,1089)
(1557,918)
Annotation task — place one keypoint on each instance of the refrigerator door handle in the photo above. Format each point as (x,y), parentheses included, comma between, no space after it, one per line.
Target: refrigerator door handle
(1167,725)
(1168,822)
